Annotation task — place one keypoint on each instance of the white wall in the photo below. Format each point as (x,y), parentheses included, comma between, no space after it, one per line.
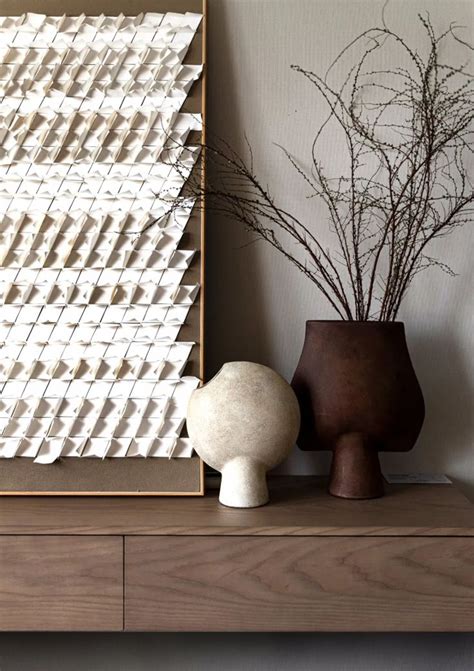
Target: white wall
(257,302)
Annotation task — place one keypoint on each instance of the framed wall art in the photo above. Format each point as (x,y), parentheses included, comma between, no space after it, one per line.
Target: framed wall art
(101,301)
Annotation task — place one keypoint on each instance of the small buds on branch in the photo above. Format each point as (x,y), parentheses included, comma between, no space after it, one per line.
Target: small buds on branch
(406,135)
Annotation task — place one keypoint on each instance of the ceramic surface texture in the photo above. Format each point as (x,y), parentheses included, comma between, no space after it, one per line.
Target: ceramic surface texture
(359,396)
(242,423)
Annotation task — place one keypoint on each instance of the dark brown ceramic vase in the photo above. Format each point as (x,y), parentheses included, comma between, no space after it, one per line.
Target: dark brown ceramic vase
(358,395)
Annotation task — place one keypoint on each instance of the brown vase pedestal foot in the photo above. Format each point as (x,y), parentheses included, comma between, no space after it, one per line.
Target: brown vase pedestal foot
(359,396)
(355,469)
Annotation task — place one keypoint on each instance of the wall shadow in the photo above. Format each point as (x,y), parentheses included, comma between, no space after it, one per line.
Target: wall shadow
(235,325)
(442,368)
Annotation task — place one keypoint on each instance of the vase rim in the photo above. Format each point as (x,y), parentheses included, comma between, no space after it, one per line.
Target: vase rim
(354,322)
(223,368)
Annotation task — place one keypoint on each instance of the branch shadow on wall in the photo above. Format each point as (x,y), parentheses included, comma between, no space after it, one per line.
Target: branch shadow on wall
(235,326)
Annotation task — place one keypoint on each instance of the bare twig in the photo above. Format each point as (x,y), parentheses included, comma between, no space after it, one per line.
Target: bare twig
(407,134)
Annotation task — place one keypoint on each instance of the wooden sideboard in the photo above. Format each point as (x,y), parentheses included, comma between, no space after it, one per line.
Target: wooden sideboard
(305,562)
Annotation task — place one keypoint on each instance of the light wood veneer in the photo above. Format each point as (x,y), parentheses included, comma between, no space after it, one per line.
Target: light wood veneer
(299,584)
(304,562)
(61,583)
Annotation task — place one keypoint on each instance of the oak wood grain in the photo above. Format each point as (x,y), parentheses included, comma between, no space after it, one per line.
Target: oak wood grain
(299,506)
(61,584)
(299,584)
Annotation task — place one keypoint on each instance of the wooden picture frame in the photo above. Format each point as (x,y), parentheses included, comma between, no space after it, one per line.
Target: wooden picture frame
(128,476)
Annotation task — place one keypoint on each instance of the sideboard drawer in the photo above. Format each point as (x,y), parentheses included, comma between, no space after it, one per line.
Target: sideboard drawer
(61,583)
(299,584)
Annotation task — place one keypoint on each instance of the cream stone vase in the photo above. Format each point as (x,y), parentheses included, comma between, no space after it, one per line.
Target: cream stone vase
(242,423)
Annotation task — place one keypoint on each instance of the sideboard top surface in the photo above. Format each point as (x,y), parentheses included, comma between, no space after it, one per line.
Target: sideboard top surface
(299,506)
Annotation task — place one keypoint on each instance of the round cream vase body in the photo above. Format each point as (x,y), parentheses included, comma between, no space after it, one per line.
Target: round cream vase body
(244,422)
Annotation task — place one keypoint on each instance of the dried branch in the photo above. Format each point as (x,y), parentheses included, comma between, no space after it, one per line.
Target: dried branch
(407,135)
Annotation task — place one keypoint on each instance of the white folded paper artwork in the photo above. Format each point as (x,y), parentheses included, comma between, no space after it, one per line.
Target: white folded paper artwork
(91,270)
